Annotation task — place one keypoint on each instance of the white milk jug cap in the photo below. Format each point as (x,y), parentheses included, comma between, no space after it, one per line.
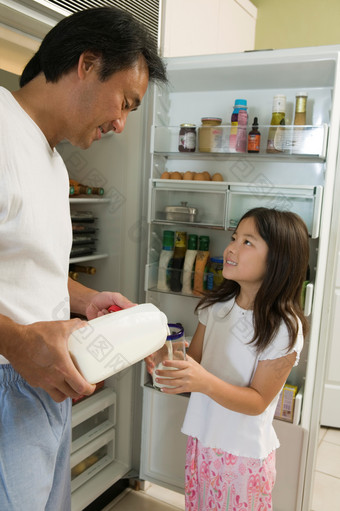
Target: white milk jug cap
(111,343)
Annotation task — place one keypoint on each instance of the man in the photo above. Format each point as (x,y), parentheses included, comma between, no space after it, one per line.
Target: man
(90,71)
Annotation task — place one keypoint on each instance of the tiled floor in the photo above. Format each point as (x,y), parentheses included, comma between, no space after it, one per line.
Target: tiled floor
(326,492)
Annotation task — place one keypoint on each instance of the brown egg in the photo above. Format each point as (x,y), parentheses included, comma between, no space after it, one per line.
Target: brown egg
(217,177)
(175,175)
(207,176)
(188,175)
(199,176)
(165,175)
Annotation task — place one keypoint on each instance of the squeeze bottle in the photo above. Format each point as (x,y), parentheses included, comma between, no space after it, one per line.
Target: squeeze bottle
(110,343)
(200,265)
(238,130)
(164,260)
(177,262)
(189,264)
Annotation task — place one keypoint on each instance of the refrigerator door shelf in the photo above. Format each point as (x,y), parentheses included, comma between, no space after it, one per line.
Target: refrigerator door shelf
(92,417)
(92,458)
(151,281)
(307,141)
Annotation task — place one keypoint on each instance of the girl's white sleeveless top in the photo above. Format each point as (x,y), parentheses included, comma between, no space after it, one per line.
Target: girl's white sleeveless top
(227,354)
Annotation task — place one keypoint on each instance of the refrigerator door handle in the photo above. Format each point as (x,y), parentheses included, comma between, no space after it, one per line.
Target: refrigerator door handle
(317,211)
(309,299)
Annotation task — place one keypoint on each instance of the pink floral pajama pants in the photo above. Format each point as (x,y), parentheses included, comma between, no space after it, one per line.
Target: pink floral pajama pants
(216,480)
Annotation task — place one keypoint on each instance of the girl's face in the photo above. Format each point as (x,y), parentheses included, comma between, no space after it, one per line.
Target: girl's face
(246,255)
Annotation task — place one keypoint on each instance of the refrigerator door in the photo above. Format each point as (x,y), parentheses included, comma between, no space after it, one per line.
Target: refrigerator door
(300,178)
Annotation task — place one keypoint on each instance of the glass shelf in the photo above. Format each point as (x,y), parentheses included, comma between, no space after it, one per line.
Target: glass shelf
(89,200)
(297,142)
(92,257)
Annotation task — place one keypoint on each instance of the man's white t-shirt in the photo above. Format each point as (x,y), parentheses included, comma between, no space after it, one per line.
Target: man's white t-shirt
(227,354)
(35,225)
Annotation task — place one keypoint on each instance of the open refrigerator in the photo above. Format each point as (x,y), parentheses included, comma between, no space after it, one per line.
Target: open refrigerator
(138,431)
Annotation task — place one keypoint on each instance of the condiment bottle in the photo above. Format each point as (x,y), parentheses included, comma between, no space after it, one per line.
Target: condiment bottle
(176,265)
(254,138)
(299,120)
(189,264)
(202,259)
(210,135)
(187,138)
(239,106)
(300,109)
(90,270)
(164,260)
(97,190)
(274,144)
(215,277)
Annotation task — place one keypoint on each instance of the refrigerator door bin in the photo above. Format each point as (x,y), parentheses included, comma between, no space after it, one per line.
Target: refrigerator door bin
(152,284)
(163,444)
(303,200)
(212,214)
(93,457)
(307,141)
(92,417)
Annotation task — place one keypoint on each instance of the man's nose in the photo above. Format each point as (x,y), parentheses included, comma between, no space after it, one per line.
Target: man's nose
(119,124)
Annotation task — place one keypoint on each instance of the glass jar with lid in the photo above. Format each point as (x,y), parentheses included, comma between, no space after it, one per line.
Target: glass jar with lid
(210,135)
(187,138)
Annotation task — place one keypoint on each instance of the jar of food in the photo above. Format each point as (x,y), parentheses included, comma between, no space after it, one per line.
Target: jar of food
(215,277)
(187,138)
(210,138)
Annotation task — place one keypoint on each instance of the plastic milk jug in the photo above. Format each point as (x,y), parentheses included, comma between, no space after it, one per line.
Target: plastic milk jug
(110,343)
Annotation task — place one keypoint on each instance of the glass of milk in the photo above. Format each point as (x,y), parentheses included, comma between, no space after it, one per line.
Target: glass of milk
(173,349)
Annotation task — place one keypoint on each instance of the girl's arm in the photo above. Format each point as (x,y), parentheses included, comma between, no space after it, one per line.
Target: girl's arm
(267,382)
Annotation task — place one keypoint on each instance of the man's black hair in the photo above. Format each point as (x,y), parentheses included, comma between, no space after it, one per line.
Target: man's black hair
(111,33)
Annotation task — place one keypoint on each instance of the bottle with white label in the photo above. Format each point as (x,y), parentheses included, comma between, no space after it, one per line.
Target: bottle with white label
(164,260)
(189,264)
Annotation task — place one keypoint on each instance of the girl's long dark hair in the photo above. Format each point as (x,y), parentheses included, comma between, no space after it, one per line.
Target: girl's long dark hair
(279,297)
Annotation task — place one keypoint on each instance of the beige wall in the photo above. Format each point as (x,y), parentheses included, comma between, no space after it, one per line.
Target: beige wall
(296,23)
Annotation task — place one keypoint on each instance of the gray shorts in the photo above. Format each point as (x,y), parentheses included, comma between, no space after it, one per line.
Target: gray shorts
(35,436)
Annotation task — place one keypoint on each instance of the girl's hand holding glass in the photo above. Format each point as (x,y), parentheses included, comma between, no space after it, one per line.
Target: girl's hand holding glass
(191,376)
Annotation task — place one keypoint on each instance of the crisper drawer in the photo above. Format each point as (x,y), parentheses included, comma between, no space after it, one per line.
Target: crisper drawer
(206,198)
(92,417)
(304,200)
(93,457)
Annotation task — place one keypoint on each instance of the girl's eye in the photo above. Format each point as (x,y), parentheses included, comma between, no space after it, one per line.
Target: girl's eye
(247,242)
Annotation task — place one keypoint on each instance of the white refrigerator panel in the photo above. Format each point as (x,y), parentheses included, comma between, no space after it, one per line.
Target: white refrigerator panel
(208,86)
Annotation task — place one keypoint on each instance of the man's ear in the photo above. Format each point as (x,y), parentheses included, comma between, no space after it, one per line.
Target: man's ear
(88,62)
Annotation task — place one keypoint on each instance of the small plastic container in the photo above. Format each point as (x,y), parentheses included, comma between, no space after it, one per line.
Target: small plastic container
(174,349)
(215,277)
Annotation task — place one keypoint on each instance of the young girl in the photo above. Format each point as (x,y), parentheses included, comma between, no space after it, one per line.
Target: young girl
(249,336)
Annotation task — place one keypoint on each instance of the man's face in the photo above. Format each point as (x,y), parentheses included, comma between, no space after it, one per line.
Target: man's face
(99,107)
